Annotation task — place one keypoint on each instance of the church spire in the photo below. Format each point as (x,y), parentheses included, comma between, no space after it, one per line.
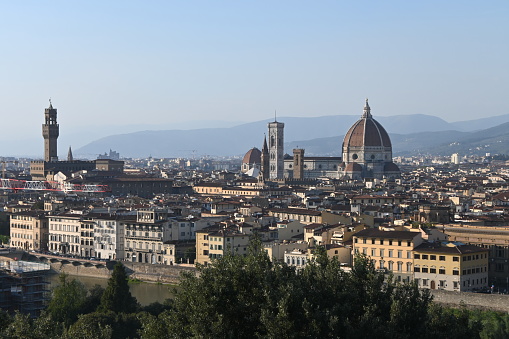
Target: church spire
(367,110)
(265,148)
(69,154)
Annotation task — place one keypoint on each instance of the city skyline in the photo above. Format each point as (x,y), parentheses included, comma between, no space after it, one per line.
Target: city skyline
(125,65)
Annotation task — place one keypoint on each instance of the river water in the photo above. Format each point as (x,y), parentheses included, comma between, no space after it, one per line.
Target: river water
(145,293)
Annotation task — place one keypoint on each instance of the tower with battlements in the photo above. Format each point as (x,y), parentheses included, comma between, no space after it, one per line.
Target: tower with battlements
(50,131)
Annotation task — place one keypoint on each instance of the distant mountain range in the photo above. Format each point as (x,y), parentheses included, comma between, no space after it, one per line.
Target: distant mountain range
(320,136)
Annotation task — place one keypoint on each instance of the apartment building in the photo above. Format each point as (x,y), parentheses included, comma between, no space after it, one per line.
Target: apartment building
(145,236)
(65,234)
(29,230)
(108,237)
(389,250)
(451,266)
(213,242)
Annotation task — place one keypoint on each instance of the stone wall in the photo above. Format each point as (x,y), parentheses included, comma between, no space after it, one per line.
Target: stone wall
(495,302)
(140,271)
(157,273)
(81,270)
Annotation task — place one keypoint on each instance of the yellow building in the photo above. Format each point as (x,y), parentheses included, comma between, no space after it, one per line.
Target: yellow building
(213,242)
(493,238)
(208,188)
(389,250)
(29,230)
(451,266)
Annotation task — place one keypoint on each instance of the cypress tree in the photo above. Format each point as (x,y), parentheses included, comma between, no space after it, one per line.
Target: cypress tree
(117,297)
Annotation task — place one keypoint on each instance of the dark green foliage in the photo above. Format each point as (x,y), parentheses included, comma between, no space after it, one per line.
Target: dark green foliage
(252,297)
(102,325)
(117,297)
(5,320)
(67,300)
(155,327)
(156,308)
(22,326)
(93,299)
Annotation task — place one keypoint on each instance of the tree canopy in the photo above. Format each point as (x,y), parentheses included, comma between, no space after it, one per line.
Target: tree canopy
(117,297)
(252,297)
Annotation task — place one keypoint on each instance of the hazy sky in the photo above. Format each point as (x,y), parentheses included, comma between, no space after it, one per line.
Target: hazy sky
(168,62)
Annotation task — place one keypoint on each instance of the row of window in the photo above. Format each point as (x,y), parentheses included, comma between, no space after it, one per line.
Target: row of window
(390,253)
(63,228)
(390,266)
(455,271)
(143,234)
(22,226)
(64,238)
(21,235)
(432,257)
(142,245)
(389,242)
(295,261)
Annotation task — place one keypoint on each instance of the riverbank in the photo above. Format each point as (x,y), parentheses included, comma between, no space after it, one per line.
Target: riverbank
(168,274)
(145,292)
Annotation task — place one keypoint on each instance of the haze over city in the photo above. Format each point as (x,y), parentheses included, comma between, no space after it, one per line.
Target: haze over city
(119,67)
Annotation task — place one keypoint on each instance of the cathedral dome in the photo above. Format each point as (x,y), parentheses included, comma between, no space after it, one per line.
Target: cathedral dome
(367,132)
(253,156)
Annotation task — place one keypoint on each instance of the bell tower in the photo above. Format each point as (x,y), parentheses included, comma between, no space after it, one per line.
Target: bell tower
(50,131)
(276,149)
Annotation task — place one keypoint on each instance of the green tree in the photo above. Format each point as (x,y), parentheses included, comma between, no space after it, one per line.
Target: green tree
(67,300)
(251,296)
(106,325)
(117,297)
(93,299)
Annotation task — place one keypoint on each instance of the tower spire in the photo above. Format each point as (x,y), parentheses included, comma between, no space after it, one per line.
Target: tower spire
(69,155)
(367,110)
(275,116)
(265,148)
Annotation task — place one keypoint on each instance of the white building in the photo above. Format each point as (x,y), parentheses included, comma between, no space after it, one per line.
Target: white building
(65,234)
(109,238)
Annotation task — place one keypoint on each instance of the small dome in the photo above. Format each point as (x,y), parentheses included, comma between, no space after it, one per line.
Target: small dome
(353,167)
(253,156)
(391,167)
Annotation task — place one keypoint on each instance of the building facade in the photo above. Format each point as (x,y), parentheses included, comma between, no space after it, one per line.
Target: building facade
(451,266)
(29,230)
(390,251)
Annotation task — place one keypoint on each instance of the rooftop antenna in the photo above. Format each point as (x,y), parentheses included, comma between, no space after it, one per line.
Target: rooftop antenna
(275,116)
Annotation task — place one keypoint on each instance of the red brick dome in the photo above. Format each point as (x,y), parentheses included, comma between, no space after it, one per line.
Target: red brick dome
(253,156)
(367,132)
